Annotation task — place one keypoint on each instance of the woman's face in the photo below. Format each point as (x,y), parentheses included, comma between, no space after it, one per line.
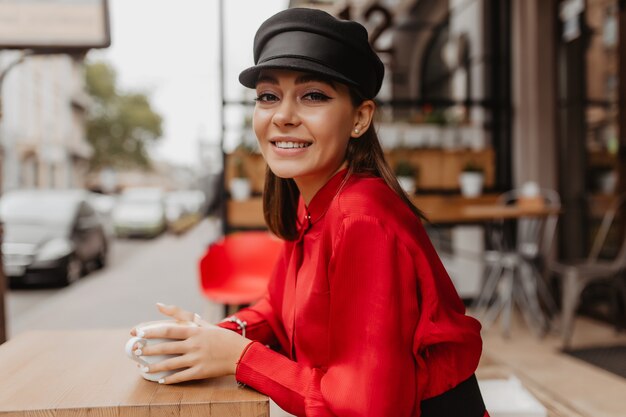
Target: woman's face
(303,125)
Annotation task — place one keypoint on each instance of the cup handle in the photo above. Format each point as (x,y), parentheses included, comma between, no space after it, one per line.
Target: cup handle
(129,349)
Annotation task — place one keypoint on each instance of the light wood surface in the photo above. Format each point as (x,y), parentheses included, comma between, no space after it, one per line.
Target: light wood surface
(460,210)
(439,169)
(567,386)
(80,373)
(439,209)
(246,214)
(555,406)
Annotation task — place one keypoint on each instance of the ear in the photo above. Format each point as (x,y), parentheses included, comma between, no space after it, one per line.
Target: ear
(363,118)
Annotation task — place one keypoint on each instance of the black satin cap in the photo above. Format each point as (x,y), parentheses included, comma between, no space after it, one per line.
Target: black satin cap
(312,40)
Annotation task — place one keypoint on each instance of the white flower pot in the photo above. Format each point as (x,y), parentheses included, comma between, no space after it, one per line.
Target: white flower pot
(240,189)
(607,182)
(407,184)
(471,183)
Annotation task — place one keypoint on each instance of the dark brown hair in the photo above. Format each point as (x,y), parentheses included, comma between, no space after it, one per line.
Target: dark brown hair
(364,155)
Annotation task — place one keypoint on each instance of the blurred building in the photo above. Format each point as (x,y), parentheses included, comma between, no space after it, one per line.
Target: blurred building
(162,174)
(536,83)
(42,131)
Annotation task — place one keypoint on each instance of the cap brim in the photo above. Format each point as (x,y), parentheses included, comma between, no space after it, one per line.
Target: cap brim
(249,76)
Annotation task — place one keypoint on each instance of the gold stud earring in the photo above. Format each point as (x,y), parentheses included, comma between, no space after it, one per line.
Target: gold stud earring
(356,131)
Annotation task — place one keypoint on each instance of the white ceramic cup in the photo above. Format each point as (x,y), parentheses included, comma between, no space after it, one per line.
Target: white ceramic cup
(142,342)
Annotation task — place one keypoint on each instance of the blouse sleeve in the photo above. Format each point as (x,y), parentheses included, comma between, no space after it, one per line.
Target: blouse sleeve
(374,313)
(258,319)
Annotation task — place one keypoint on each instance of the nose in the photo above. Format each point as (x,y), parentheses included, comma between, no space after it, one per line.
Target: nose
(286,113)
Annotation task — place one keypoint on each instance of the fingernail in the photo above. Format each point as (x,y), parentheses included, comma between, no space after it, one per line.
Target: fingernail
(160,304)
(162,381)
(145,369)
(140,333)
(196,318)
(137,352)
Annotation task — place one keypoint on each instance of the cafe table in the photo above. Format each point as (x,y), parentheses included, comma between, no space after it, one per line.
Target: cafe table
(521,282)
(87,373)
(451,210)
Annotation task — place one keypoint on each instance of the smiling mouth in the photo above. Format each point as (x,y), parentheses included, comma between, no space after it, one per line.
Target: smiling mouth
(290,145)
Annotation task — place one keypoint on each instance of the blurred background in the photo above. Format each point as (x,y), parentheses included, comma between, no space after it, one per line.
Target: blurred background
(126,150)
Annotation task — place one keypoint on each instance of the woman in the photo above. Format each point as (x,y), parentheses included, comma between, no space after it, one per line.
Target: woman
(360,317)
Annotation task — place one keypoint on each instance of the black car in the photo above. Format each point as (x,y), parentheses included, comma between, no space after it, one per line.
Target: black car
(51,236)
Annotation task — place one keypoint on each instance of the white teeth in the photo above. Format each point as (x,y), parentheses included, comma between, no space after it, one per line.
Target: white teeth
(291,145)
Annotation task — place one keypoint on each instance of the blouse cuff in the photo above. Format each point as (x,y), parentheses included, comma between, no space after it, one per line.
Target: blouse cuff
(244,373)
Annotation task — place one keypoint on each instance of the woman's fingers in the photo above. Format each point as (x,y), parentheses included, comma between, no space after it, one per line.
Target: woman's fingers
(168,332)
(177,362)
(180,314)
(176,312)
(188,374)
(167,348)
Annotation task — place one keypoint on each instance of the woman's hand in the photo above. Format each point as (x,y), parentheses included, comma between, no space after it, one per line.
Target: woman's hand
(206,351)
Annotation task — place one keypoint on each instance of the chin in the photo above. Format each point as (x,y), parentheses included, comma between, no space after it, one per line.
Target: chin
(285,171)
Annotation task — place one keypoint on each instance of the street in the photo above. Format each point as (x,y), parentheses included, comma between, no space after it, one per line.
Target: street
(139,274)
(22,299)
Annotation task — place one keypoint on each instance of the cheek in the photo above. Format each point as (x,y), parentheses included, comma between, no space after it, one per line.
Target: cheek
(259,123)
(336,125)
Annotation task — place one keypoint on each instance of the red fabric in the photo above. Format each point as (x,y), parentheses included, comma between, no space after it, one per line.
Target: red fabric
(363,314)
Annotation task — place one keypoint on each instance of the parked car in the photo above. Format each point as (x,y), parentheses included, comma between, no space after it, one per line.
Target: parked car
(181,203)
(51,236)
(104,204)
(140,212)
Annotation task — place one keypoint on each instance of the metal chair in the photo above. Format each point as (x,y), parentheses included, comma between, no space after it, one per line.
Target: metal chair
(576,276)
(235,270)
(514,265)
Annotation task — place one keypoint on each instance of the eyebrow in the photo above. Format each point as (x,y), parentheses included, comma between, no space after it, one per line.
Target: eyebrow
(302,79)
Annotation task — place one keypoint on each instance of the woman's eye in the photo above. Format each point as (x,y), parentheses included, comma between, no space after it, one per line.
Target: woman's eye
(266,98)
(316,96)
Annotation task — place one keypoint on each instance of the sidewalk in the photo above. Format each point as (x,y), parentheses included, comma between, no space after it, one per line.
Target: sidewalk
(124,295)
(589,390)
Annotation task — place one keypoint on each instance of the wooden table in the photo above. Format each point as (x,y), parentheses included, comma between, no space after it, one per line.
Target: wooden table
(83,373)
(456,209)
(439,209)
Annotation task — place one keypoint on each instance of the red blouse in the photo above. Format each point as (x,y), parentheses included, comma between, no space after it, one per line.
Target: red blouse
(361,314)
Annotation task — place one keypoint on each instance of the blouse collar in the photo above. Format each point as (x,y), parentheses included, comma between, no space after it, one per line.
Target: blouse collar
(311,214)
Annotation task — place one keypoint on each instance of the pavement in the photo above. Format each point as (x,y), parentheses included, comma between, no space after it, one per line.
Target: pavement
(123,295)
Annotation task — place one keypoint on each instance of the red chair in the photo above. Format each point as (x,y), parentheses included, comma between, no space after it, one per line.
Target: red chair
(236,269)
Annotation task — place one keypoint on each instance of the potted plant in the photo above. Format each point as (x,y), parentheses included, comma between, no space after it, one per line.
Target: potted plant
(240,188)
(471,179)
(406,173)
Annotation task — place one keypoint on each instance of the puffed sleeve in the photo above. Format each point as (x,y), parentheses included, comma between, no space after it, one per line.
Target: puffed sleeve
(259,319)
(371,369)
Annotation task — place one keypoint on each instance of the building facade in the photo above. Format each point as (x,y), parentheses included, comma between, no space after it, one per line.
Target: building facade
(42,131)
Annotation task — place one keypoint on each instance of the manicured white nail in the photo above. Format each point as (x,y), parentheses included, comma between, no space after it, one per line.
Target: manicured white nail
(196,318)
(162,381)
(160,304)
(145,369)
(137,352)
(140,333)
